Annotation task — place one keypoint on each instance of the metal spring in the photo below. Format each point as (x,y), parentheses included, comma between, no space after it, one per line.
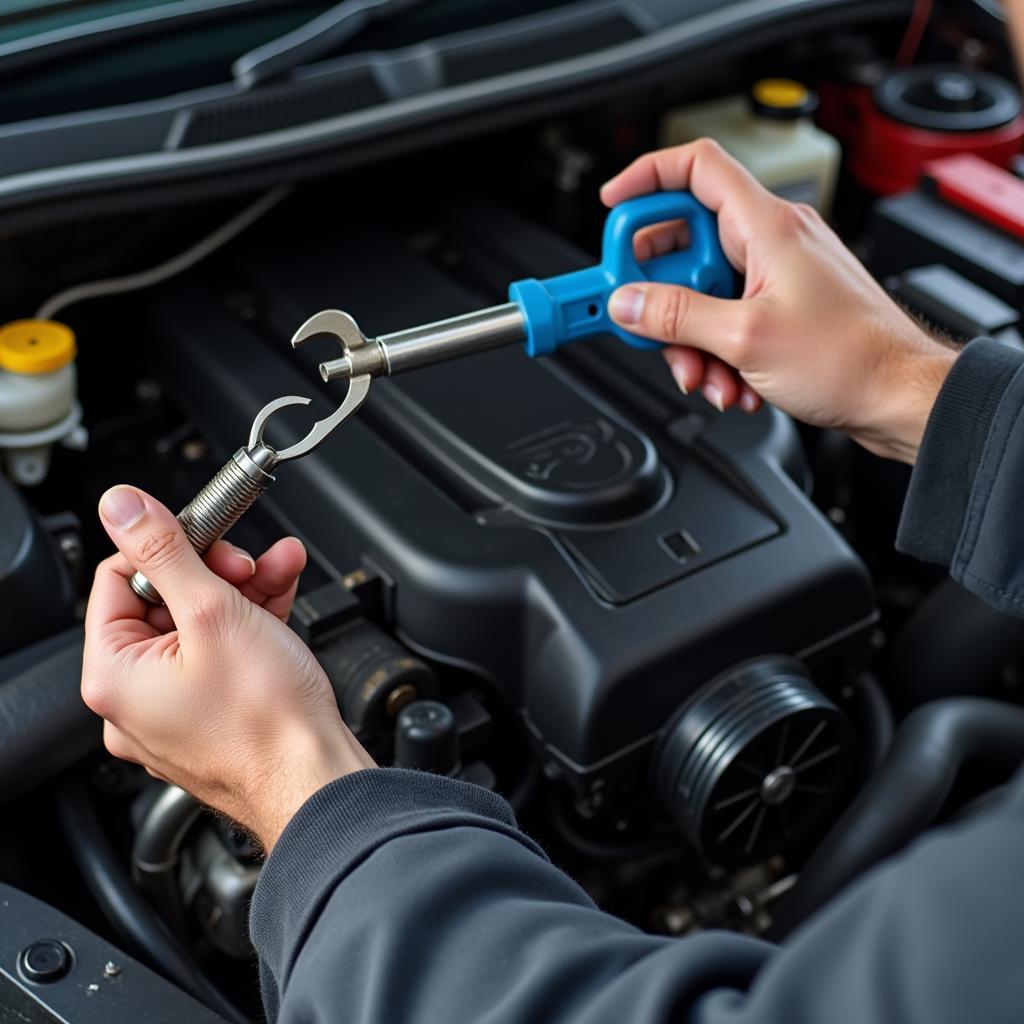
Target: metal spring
(219,505)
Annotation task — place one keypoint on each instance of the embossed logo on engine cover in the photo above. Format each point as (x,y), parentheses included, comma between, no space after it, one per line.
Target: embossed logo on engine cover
(581,455)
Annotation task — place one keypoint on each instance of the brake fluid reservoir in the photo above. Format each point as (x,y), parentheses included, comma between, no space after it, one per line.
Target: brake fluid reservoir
(37,396)
(771,133)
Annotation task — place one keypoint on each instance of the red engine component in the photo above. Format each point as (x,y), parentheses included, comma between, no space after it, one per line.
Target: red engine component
(979,188)
(922,113)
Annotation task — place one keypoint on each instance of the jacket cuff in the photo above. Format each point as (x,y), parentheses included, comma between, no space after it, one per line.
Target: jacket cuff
(337,828)
(955,439)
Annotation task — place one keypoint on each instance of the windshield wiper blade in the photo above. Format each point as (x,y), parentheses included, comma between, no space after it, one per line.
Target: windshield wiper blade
(70,40)
(27,10)
(316,37)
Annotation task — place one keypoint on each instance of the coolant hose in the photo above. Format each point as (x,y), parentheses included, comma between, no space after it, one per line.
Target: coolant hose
(122,904)
(954,645)
(906,794)
(44,726)
(871,708)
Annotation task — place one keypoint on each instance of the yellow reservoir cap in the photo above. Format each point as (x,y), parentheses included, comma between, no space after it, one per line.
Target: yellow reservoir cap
(36,346)
(781,93)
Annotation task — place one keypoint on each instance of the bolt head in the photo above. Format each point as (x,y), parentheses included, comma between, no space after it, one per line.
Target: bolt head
(778,785)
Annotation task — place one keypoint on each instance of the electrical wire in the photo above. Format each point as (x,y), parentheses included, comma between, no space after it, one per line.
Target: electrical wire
(914,32)
(169,268)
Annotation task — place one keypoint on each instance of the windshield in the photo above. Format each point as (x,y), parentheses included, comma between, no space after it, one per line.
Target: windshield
(90,59)
(22,18)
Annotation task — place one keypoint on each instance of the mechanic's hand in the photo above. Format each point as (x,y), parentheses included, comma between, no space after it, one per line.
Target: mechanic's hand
(214,692)
(813,332)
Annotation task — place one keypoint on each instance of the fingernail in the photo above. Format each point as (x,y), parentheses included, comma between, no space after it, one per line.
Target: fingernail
(626,305)
(679,372)
(714,395)
(748,401)
(248,558)
(122,507)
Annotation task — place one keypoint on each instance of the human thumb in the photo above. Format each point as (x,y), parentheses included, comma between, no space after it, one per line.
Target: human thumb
(152,540)
(678,315)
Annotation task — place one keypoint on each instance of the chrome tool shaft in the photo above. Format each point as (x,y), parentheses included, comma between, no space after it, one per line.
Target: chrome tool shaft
(431,343)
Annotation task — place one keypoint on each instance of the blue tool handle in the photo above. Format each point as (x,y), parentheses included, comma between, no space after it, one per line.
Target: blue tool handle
(575,306)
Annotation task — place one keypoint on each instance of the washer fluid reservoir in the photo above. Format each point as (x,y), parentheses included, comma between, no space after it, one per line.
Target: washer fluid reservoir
(38,404)
(772,134)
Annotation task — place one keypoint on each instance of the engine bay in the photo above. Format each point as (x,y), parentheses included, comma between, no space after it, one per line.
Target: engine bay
(677,641)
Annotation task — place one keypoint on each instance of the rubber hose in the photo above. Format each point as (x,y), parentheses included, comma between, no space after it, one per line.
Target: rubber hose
(156,853)
(905,795)
(955,644)
(873,711)
(123,906)
(44,726)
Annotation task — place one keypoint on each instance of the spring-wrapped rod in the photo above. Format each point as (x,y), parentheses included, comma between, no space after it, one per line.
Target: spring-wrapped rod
(219,505)
(240,482)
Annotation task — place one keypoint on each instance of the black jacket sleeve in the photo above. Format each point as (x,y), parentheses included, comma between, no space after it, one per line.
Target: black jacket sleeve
(396,897)
(965,505)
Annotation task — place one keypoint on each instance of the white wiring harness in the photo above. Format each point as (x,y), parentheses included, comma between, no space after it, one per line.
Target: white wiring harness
(175,265)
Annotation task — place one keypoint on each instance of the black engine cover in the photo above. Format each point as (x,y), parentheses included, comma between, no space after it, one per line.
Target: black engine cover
(589,541)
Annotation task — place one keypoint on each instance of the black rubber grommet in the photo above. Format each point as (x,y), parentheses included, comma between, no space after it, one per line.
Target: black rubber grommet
(44,961)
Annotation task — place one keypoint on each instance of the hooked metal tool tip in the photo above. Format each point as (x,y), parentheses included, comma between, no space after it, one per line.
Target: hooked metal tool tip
(249,472)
